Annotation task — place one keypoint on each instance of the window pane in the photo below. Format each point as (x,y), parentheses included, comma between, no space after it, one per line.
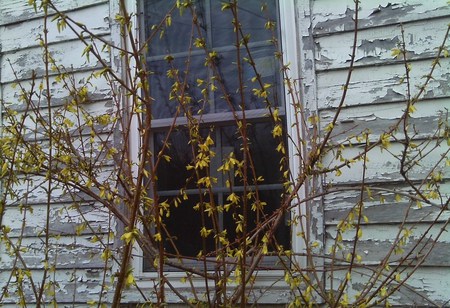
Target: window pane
(262,149)
(184,225)
(216,28)
(272,200)
(265,66)
(173,175)
(185,71)
(251,18)
(176,37)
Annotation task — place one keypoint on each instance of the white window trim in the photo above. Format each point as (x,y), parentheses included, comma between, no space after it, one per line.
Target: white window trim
(289,33)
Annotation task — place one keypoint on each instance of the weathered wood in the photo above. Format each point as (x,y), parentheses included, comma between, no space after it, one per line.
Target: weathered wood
(379,118)
(37,194)
(330,16)
(25,63)
(373,251)
(338,204)
(374,46)
(384,166)
(75,258)
(26,34)
(80,132)
(382,84)
(427,287)
(14,11)
(73,285)
(376,241)
(98,89)
(64,219)
(64,253)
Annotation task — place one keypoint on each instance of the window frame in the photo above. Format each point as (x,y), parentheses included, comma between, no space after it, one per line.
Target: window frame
(288,36)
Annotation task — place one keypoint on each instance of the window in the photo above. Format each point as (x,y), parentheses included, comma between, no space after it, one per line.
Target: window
(215,112)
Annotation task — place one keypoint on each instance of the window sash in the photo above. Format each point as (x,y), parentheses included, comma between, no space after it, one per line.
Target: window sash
(218,119)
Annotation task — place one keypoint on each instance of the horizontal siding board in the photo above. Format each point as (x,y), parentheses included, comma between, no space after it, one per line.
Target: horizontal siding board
(80,132)
(25,35)
(33,190)
(375,102)
(329,17)
(13,11)
(374,46)
(79,271)
(73,286)
(338,204)
(384,167)
(428,287)
(376,242)
(98,89)
(378,118)
(373,251)
(381,84)
(23,64)
(375,233)
(65,252)
(64,219)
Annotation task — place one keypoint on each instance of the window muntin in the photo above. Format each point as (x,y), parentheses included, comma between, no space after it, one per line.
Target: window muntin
(217,116)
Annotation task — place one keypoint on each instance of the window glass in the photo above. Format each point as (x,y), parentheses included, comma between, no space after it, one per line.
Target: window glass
(177,37)
(214,88)
(215,27)
(251,18)
(166,102)
(265,66)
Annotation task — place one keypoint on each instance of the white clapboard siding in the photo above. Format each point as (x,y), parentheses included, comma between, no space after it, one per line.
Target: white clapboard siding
(383,166)
(65,252)
(76,266)
(73,285)
(375,101)
(65,218)
(375,242)
(80,132)
(37,194)
(14,11)
(381,206)
(381,84)
(22,64)
(25,34)
(377,118)
(375,44)
(336,16)
(98,89)
(423,289)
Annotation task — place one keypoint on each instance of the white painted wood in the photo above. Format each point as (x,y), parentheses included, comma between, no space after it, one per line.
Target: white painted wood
(424,289)
(97,90)
(14,11)
(378,118)
(19,65)
(341,200)
(381,84)
(65,253)
(23,35)
(336,16)
(375,45)
(290,46)
(65,218)
(383,166)
(76,286)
